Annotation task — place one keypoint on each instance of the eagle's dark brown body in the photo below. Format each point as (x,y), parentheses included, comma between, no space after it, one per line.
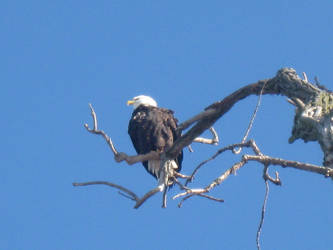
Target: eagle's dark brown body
(153,128)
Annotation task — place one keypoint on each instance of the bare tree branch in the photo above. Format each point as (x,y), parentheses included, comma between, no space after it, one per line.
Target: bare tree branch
(305,77)
(129,194)
(263,211)
(276,181)
(220,151)
(264,159)
(214,140)
(237,151)
(146,196)
(259,157)
(185,198)
(100,132)
(286,83)
(119,156)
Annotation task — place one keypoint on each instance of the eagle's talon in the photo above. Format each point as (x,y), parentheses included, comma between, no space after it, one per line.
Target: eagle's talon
(120,157)
(130,160)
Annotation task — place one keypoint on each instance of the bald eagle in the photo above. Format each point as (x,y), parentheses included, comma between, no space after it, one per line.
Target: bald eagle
(153,129)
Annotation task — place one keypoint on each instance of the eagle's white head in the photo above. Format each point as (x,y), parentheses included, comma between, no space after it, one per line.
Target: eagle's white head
(142,100)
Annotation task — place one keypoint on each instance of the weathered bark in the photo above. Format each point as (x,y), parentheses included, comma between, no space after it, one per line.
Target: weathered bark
(314,122)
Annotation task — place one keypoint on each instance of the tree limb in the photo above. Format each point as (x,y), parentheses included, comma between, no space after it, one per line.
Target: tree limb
(259,157)
(95,130)
(263,211)
(286,83)
(130,195)
(214,140)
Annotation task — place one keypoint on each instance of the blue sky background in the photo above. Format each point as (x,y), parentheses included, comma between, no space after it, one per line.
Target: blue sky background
(57,56)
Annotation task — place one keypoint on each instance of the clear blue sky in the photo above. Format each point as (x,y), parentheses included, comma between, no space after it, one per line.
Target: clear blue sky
(57,56)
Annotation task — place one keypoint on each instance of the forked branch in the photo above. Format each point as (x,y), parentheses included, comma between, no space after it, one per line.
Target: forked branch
(120,156)
(214,140)
(128,193)
(96,131)
(286,83)
(259,157)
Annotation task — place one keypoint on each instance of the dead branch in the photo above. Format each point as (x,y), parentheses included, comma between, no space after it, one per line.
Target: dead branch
(238,151)
(100,132)
(182,176)
(259,157)
(201,194)
(263,211)
(264,159)
(305,77)
(276,181)
(220,151)
(119,156)
(129,194)
(198,117)
(267,177)
(146,196)
(286,83)
(214,140)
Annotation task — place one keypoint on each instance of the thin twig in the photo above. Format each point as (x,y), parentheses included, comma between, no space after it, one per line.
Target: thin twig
(164,199)
(305,77)
(128,193)
(220,151)
(182,176)
(259,157)
(202,195)
(214,140)
(147,196)
(211,198)
(125,195)
(180,204)
(237,151)
(275,180)
(125,190)
(99,132)
(185,198)
(263,211)
(119,156)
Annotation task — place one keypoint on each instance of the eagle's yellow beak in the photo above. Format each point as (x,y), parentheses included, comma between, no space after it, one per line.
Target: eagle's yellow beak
(130,102)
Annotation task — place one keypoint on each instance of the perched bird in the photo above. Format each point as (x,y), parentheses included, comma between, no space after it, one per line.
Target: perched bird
(153,129)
